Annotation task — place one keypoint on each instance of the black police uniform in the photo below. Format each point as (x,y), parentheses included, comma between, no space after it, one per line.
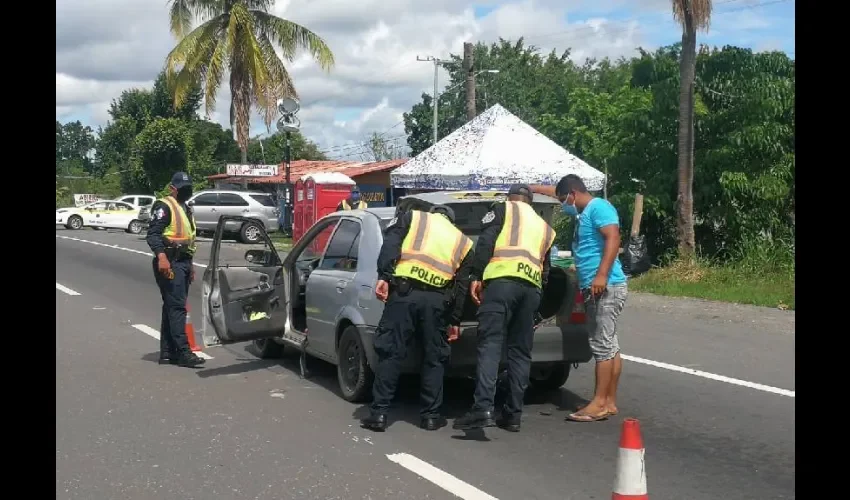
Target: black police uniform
(173,344)
(508,305)
(413,311)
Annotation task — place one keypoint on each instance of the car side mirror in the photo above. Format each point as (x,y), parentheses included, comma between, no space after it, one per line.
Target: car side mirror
(190,203)
(260,257)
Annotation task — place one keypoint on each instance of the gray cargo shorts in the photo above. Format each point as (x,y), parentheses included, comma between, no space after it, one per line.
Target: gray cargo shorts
(602,315)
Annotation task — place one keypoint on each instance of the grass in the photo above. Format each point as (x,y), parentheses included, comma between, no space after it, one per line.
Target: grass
(738,283)
(280,242)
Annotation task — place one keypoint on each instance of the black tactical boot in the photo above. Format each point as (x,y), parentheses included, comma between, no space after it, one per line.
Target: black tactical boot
(474,420)
(374,422)
(190,360)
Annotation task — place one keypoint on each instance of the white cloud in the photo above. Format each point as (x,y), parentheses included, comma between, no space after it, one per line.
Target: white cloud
(106,46)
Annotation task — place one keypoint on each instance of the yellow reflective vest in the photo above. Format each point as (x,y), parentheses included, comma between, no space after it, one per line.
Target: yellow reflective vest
(432,251)
(181,229)
(361,205)
(521,246)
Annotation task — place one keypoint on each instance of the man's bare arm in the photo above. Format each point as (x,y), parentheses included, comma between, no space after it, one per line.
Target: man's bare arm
(611,234)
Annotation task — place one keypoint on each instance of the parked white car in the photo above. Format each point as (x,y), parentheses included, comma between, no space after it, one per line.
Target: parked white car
(107,214)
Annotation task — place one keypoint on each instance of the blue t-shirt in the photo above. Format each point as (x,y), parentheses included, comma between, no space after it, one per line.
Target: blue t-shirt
(589,244)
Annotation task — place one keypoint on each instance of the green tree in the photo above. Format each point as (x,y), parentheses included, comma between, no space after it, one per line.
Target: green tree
(161,149)
(238,36)
(692,15)
(273,149)
(74,144)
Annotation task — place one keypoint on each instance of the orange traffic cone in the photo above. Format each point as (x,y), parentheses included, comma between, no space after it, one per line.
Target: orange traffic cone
(190,330)
(630,482)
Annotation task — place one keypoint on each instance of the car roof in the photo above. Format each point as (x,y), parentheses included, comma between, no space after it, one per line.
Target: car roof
(458,197)
(230,191)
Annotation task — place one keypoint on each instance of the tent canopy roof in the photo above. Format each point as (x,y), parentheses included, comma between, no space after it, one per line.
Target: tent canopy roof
(491,152)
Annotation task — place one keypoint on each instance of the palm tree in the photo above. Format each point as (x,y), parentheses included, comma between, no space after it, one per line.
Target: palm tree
(239,36)
(692,15)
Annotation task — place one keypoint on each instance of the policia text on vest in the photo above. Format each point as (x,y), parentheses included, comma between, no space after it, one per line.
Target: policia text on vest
(512,258)
(171,237)
(423,269)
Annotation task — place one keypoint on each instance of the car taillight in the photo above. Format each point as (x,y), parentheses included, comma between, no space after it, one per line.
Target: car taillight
(578,316)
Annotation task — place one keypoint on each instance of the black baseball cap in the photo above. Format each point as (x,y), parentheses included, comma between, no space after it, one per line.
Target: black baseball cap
(180,179)
(522,190)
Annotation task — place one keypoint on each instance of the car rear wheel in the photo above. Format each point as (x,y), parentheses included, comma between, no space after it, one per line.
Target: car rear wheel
(135,227)
(268,349)
(352,369)
(250,233)
(551,378)
(75,222)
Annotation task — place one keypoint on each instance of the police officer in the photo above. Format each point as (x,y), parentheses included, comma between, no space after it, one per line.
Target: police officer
(171,236)
(423,276)
(353,201)
(512,259)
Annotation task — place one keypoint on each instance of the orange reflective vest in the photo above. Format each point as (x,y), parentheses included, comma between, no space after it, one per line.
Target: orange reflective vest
(181,229)
(521,246)
(361,205)
(432,250)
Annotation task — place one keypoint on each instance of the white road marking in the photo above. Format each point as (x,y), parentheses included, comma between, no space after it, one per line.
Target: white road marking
(64,289)
(711,376)
(155,334)
(116,247)
(635,359)
(442,479)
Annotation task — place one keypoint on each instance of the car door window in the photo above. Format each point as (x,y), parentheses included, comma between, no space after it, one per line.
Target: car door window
(127,199)
(205,200)
(231,200)
(145,201)
(97,206)
(124,207)
(339,255)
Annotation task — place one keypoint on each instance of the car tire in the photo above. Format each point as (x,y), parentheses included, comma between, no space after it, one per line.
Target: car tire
(250,233)
(354,375)
(554,377)
(135,227)
(268,349)
(75,222)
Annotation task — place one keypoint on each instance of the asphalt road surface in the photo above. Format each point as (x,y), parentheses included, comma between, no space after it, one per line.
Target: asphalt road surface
(712,385)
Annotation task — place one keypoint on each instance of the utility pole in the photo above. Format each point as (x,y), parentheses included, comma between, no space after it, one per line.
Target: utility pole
(437,62)
(469,67)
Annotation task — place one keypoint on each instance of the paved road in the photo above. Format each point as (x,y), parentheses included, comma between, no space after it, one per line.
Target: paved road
(240,427)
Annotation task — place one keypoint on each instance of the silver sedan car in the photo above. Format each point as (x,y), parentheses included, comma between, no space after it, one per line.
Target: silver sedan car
(320,300)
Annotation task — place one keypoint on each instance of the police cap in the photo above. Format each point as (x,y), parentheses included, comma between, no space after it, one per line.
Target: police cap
(521,190)
(444,210)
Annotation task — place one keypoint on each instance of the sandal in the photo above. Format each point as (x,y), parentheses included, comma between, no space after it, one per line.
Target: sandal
(580,416)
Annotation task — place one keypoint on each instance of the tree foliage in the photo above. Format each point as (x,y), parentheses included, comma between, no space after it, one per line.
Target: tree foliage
(622,116)
(239,37)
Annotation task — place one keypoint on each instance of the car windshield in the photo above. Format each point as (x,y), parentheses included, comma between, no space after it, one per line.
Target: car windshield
(263,199)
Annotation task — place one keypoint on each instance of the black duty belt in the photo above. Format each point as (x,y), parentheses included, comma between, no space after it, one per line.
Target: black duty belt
(405,285)
(179,252)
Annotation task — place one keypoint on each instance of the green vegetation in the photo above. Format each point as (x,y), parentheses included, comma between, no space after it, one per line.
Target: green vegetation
(622,117)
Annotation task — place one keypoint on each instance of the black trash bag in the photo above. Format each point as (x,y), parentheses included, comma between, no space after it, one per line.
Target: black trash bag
(635,257)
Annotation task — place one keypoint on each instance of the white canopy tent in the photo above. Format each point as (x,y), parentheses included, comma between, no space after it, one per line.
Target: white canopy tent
(491,152)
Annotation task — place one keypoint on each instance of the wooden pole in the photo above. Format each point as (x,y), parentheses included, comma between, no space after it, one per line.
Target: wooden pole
(637,214)
(469,68)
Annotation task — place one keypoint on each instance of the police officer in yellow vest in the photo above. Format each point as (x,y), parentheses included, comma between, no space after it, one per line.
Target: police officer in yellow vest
(512,259)
(423,276)
(171,236)
(353,202)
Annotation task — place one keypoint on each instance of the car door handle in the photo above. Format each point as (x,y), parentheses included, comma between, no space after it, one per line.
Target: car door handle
(213,210)
(340,285)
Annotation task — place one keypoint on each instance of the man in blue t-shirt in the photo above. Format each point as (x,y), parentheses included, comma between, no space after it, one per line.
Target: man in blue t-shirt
(596,246)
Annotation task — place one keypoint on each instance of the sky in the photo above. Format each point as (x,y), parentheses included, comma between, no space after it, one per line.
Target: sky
(106,46)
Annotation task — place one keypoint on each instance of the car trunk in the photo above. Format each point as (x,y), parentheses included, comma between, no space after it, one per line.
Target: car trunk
(558,295)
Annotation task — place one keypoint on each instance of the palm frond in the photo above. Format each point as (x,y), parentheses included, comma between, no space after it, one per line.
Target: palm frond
(279,83)
(290,36)
(187,63)
(699,12)
(180,16)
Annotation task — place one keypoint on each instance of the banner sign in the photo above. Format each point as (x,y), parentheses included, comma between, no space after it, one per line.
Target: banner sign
(85,199)
(252,170)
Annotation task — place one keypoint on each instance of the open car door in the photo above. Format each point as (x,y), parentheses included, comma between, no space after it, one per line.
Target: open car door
(245,295)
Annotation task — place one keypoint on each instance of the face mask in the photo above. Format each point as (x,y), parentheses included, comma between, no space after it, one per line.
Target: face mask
(355,196)
(184,194)
(569,209)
